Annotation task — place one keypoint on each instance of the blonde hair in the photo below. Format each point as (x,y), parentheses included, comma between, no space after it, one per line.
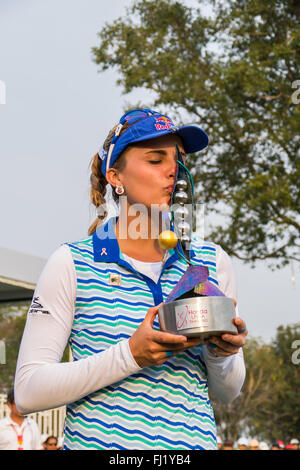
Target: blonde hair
(98,180)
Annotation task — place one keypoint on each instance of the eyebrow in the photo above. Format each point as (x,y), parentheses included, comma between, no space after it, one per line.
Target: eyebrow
(162,152)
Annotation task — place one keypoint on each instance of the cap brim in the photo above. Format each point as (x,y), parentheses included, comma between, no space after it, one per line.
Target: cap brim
(193,137)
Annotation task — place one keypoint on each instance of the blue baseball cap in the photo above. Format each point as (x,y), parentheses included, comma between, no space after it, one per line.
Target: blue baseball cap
(146,124)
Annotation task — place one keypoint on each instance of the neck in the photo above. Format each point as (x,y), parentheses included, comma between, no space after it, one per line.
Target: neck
(17,419)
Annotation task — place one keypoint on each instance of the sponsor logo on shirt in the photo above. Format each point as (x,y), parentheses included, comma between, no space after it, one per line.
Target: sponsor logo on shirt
(36,307)
(115,279)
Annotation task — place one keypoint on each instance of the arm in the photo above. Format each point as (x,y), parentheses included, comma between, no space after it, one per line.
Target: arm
(42,381)
(226,375)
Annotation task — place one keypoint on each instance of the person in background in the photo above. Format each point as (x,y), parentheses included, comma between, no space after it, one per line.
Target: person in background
(43,441)
(289,447)
(219,443)
(51,443)
(281,445)
(242,443)
(60,442)
(275,446)
(228,445)
(263,446)
(17,432)
(253,444)
(295,443)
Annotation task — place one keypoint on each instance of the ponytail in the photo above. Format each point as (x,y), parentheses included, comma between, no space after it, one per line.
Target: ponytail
(97,193)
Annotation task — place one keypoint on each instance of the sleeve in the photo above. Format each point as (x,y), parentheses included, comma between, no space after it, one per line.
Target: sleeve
(42,382)
(225,375)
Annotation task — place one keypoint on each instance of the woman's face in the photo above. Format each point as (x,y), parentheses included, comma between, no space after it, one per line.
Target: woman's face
(149,173)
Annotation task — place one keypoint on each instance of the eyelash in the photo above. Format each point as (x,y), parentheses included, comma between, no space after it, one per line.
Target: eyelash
(154,162)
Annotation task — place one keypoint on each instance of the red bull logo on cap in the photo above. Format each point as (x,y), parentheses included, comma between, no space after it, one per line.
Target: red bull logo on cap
(163,123)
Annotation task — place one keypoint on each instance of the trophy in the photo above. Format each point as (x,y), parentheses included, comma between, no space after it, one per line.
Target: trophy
(195,307)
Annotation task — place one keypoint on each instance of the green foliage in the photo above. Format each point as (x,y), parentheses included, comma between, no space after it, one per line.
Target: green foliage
(12,323)
(234,418)
(232,73)
(269,404)
(287,400)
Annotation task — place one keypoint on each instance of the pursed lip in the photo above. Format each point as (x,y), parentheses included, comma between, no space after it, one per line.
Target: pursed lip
(170,188)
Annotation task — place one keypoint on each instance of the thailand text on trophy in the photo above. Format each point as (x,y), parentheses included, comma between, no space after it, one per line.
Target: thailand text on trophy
(195,307)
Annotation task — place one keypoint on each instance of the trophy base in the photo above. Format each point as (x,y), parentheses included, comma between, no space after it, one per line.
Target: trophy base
(198,317)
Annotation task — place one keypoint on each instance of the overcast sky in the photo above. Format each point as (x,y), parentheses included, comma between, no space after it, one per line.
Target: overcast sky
(57,113)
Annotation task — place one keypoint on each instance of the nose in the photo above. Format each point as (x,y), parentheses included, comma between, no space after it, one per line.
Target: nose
(171,167)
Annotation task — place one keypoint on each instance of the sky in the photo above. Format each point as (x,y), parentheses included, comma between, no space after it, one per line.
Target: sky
(57,112)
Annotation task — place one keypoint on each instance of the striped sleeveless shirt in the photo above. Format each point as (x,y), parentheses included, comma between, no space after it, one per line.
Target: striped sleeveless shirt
(159,407)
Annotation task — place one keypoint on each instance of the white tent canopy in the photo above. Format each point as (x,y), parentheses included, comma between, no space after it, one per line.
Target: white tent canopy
(19,274)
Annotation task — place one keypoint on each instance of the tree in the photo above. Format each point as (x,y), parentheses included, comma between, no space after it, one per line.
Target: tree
(263,380)
(269,403)
(12,323)
(233,73)
(284,411)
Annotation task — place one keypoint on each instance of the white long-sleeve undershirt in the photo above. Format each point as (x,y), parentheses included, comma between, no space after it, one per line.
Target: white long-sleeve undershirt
(43,382)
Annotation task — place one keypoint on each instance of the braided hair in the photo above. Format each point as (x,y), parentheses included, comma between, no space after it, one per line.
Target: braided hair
(99,183)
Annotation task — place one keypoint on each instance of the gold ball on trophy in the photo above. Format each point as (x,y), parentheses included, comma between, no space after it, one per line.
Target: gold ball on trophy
(167,239)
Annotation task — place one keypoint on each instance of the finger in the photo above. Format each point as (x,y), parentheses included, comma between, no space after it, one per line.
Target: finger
(182,345)
(218,352)
(225,337)
(151,314)
(236,340)
(221,349)
(171,350)
(168,354)
(164,338)
(241,325)
(225,345)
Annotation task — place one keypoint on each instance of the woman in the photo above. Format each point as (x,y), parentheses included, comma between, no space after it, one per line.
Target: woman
(50,443)
(130,386)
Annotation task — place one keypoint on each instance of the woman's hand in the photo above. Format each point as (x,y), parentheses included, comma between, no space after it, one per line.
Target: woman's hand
(227,344)
(150,347)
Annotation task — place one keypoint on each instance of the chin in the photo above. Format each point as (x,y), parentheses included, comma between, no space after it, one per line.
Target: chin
(163,205)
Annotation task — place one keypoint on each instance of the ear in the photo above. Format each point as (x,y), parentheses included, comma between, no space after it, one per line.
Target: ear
(113,177)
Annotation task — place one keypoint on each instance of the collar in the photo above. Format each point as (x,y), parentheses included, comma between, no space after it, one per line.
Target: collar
(106,247)
(105,244)
(11,422)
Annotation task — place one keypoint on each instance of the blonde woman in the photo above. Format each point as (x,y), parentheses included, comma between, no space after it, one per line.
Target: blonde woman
(130,385)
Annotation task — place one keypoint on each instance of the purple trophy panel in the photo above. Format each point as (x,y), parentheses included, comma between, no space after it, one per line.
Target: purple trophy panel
(195,277)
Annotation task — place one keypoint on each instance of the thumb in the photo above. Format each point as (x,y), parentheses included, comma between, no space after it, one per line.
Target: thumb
(151,314)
